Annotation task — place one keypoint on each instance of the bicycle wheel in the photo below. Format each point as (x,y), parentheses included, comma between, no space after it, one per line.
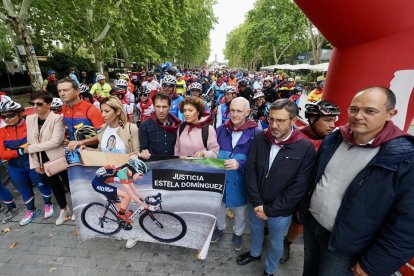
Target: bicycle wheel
(163,226)
(96,217)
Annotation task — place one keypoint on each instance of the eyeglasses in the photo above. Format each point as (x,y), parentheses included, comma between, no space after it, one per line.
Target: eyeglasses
(278,121)
(36,104)
(8,116)
(145,95)
(168,85)
(364,111)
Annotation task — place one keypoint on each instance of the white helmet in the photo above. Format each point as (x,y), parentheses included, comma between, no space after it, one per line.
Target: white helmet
(195,85)
(83,88)
(178,75)
(99,77)
(56,103)
(230,89)
(268,79)
(258,95)
(121,83)
(10,106)
(168,79)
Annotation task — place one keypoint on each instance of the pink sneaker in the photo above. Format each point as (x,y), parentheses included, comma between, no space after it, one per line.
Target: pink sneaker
(29,216)
(49,212)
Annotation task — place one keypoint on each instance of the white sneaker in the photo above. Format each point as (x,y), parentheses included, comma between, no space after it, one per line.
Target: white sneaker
(73,217)
(62,216)
(131,243)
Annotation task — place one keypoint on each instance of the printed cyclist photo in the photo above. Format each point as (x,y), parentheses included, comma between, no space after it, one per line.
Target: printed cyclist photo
(171,201)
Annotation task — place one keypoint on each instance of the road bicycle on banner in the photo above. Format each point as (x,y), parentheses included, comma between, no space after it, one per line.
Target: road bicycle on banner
(161,225)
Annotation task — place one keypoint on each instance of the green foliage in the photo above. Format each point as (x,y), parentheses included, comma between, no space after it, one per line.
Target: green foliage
(6,48)
(153,30)
(273,31)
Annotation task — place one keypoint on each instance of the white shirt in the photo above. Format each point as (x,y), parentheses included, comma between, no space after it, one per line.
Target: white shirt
(111,142)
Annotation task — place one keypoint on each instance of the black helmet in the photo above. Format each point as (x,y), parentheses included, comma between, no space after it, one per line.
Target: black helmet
(321,108)
(242,82)
(144,90)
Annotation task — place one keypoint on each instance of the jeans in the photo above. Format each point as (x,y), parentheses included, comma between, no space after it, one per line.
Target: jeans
(240,218)
(319,260)
(277,230)
(22,179)
(6,196)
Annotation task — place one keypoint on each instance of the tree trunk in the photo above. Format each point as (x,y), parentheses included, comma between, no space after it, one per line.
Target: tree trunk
(17,22)
(275,58)
(125,54)
(96,55)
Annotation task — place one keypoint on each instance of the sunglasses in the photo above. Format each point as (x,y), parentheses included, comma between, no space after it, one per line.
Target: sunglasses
(8,116)
(36,104)
(168,85)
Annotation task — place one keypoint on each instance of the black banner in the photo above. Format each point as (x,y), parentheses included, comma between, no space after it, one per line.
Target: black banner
(187,180)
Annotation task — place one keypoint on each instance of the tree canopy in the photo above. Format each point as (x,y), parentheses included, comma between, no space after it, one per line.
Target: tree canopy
(272,32)
(141,31)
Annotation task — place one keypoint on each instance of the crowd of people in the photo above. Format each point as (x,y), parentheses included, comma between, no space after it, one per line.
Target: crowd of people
(348,189)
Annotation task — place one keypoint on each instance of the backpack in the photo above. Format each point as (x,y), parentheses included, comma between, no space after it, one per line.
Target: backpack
(204,133)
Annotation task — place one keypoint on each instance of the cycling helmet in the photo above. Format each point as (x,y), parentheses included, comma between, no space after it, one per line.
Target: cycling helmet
(99,77)
(124,77)
(83,88)
(121,83)
(51,72)
(10,106)
(321,108)
(84,132)
(291,79)
(230,89)
(134,77)
(116,91)
(195,85)
(178,75)
(268,79)
(137,166)
(98,97)
(144,90)
(56,103)
(243,82)
(169,80)
(258,95)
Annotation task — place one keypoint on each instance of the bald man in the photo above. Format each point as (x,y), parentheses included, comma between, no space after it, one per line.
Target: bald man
(234,138)
(361,205)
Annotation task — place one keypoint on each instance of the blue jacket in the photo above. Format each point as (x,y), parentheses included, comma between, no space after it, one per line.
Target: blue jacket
(234,193)
(376,218)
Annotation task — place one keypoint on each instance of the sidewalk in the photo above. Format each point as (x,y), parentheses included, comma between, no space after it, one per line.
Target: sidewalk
(42,248)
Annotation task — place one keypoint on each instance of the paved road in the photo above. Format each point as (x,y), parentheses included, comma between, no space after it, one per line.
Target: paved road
(42,248)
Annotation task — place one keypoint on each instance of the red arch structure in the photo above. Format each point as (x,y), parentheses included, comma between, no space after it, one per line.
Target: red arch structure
(373,45)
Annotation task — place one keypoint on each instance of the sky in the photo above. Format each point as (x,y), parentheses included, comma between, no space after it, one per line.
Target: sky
(230,14)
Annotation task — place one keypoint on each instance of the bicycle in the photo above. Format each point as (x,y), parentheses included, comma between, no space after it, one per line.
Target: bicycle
(161,225)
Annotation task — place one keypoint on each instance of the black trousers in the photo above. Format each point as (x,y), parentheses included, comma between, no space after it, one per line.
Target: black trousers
(58,189)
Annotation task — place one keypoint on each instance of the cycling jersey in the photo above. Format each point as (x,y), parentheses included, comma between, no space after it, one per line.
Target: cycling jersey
(79,115)
(12,139)
(101,90)
(180,87)
(175,109)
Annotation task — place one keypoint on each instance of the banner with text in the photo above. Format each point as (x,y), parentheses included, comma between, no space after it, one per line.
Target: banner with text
(190,199)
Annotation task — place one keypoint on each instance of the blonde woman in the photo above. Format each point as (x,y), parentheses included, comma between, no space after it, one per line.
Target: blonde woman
(116,131)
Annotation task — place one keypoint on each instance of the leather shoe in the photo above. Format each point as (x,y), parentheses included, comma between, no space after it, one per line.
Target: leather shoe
(246,258)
